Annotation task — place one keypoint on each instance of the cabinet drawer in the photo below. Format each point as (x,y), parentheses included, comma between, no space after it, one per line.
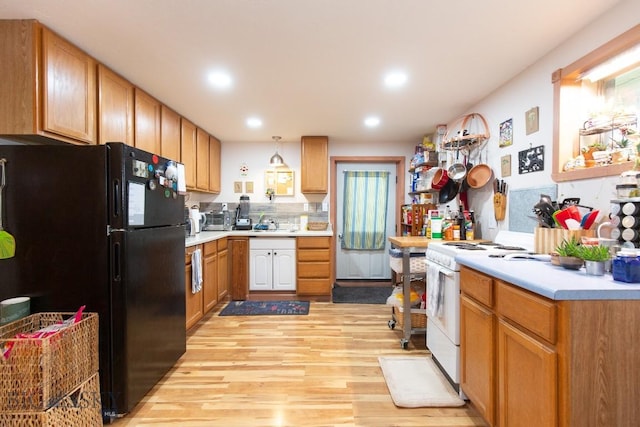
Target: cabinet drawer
(210,248)
(188,252)
(477,285)
(222,244)
(314,242)
(314,287)
(313,255)
(314,270)
(533,312)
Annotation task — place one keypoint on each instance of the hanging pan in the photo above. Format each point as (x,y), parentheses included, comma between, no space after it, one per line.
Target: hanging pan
(7,241)
(448,192)
(457,171)
(479,175)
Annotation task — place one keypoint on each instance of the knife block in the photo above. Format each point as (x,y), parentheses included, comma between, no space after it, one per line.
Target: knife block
(546,240)
(499,206)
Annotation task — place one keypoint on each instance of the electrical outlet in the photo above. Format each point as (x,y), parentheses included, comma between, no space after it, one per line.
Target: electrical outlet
(325,206)
(305,207)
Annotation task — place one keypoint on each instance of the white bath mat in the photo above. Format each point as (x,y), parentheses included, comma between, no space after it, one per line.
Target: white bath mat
(416,382)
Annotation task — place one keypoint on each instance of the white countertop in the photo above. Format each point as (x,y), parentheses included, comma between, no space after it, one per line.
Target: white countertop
(208,236)
(552,281)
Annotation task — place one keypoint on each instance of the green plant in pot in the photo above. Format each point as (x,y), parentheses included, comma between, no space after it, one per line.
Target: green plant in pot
(569,254)
(595,258)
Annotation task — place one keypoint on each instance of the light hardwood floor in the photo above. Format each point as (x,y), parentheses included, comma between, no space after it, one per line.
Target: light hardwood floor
(276,371)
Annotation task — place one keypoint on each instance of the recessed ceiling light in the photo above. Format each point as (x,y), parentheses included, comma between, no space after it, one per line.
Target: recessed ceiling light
(220,79)
(371,122)
(395,79)
(254,122)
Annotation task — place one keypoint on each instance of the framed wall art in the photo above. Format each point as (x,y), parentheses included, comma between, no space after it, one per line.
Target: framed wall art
(531,160)
(531,120)
(505,165)
(506,133)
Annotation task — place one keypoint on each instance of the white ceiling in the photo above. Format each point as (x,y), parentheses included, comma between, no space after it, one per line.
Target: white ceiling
(315,67)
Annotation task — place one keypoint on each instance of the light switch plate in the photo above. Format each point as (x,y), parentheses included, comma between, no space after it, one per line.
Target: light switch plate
(325,206)
(305,207)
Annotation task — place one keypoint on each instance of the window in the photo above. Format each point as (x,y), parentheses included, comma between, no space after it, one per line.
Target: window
(595,115)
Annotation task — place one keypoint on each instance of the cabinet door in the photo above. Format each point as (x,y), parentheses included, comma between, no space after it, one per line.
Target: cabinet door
(214,164)
(210,281)
(314,164)
(188,152)
(238,262)
(284,270)
(260,269)
(115,107)
(223,274)
(147,122)
(527,383)
(169,134)
(193,302)
(477,337)
(69,89)
(202,160)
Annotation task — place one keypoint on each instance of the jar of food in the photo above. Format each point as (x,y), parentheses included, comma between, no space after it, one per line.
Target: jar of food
(626,266)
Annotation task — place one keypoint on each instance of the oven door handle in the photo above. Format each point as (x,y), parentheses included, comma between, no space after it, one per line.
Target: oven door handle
(441,270)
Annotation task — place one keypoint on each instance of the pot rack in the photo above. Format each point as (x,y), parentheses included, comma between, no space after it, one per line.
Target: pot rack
(465,133)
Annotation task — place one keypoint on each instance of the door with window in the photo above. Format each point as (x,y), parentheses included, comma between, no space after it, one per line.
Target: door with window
(365,218)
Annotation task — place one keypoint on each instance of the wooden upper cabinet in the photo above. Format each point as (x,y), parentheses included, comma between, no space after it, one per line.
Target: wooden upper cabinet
(214,164)
(57,100)
(170,134)
(115,107)
(188,152)
(202,160)
(314,164)
(147,122)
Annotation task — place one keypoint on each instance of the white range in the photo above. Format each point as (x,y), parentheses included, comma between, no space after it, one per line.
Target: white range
(443,294)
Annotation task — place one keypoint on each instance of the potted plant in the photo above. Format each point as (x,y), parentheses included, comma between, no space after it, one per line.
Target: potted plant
(569,254)
(595,258)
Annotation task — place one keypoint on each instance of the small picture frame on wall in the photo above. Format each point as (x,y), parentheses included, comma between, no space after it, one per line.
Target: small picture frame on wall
(531,160)
(505,165)
(531,120)
(506,133)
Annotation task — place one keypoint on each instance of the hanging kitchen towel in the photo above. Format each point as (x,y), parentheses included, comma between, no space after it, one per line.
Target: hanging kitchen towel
(435,294)
(365,210)
(196,271)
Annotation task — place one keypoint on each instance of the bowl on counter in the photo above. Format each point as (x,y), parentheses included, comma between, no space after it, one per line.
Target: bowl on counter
(571,262)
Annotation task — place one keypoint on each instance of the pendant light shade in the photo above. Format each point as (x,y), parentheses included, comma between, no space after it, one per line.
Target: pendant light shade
(276,160)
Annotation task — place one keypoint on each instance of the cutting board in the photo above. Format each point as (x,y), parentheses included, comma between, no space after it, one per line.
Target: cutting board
(520,204)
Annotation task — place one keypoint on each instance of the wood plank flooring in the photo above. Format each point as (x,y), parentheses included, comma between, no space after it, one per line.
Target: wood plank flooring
(268,371)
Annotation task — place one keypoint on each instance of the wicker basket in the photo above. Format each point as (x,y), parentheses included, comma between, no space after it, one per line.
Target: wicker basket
(418,317)
(317,226)
(41,371)
(81,407)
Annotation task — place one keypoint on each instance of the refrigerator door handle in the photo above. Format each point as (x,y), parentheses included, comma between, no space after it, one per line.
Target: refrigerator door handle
(116,262)
(116,198)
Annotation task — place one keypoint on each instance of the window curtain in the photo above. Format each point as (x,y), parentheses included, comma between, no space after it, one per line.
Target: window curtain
(365,210)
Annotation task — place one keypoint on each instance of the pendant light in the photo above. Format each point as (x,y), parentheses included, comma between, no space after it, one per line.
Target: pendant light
(276,160)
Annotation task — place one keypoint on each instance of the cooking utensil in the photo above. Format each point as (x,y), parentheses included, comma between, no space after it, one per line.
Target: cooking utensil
(448,192)
(591,218)
(479,175)
(457,171)
(522,255)
(7,241)
(439,179)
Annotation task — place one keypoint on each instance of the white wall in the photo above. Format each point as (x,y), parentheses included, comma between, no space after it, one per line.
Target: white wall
(533,88)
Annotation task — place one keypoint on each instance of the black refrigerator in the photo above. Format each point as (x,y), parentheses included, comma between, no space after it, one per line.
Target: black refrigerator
(101,226)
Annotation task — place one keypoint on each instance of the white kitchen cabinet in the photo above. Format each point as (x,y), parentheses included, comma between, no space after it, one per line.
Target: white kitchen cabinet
(272,264)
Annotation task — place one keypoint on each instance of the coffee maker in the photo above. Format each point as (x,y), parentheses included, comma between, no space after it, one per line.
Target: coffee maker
(243,222)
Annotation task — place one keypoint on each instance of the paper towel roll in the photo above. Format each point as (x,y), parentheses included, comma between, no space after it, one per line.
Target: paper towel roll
(304,221)
(14,308)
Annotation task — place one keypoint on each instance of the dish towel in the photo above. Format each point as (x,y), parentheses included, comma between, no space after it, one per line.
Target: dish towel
(196,271)
(435,294)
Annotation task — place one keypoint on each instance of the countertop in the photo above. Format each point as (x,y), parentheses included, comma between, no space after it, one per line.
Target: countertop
(208,236)
(554,282)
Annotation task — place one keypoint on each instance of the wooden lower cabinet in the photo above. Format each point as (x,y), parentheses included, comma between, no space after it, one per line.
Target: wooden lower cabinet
(239,271)
(223,269)
(313,266)
(527,360)
(478,355)
(193,302)
(210,276)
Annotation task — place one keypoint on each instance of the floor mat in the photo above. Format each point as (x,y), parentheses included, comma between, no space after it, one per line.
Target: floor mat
(257,308)
(360,294)
(416,382)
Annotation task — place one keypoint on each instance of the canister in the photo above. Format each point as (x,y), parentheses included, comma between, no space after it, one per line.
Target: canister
(626,266)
